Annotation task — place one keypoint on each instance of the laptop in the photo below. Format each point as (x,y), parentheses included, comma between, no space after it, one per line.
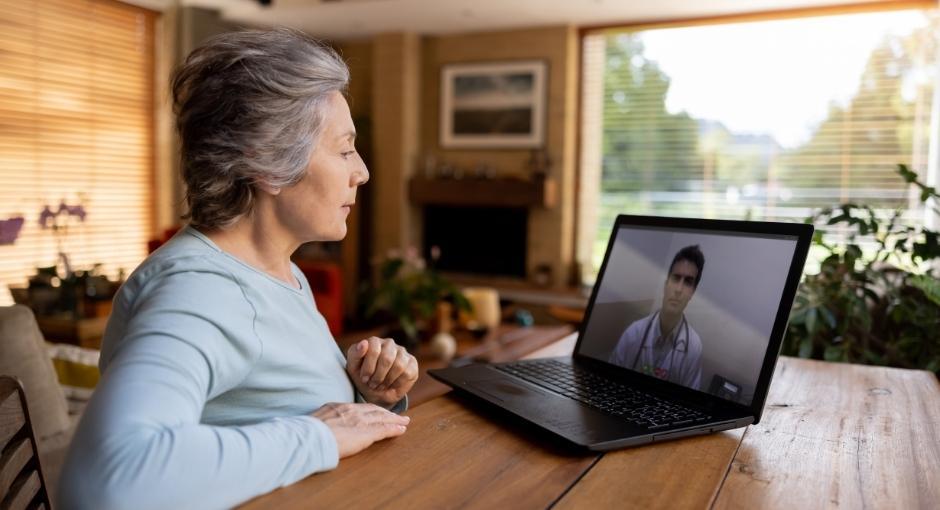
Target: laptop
(680,336)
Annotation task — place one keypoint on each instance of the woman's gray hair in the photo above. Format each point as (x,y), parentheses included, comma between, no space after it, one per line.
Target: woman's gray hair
(249,109)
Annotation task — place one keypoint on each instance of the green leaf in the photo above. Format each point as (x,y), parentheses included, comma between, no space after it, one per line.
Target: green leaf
(828,317)
(811,316)
(391,268)
(836,219)
(854,251)
(798,318)
(906,174)
(929,286)
(806,348)
(933,366)
(833,353)
(872,358)
(409,327)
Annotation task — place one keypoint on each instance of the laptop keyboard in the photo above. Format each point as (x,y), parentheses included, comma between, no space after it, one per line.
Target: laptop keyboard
(605,395)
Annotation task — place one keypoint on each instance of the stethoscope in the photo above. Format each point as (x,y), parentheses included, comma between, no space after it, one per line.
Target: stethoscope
(675,343)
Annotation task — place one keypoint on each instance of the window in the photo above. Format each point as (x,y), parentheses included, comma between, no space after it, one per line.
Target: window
(761,120)
(76,103)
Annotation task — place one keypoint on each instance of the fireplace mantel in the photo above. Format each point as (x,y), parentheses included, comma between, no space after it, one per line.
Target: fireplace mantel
(501,192)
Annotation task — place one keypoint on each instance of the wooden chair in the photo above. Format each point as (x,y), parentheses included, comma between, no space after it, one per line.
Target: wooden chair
(22,485)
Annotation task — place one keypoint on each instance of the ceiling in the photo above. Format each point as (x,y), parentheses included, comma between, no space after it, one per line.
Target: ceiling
(352,19)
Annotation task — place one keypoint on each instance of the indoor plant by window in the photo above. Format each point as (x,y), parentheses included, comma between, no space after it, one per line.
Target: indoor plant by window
(880,306)
(408,292)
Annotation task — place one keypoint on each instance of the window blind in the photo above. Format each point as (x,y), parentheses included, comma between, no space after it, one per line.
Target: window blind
(655,158)
(76,128)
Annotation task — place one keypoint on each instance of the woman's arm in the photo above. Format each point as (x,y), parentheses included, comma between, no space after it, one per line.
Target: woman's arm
(140,443)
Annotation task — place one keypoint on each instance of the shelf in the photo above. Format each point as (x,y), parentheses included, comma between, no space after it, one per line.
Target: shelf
(505,192)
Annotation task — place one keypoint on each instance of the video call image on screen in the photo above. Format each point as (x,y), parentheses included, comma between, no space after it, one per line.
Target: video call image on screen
(693,308)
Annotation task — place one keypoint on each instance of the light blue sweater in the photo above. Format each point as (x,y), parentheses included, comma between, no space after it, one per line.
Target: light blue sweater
(209,370)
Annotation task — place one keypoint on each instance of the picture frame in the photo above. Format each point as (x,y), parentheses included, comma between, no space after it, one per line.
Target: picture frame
(493,105)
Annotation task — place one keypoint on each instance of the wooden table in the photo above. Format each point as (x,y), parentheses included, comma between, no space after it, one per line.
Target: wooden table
(831,435)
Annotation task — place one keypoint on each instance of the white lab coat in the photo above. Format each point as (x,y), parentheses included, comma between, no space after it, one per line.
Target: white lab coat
(683,365)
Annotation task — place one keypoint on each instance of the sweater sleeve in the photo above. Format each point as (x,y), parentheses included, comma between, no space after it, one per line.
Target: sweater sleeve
(140,443)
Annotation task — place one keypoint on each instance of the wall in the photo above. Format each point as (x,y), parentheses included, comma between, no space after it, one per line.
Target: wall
(551,231)
(358,56)
(179,31)
(396,68)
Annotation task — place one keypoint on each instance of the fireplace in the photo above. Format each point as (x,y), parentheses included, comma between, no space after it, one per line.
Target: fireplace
(480,225)
(486,241)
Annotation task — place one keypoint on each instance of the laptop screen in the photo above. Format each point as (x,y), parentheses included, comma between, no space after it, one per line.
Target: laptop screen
(693,307)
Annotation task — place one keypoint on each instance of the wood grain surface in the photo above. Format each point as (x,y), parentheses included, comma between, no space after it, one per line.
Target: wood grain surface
(685,473)
(452,456)
(841,435)
(21,482)
(12,418)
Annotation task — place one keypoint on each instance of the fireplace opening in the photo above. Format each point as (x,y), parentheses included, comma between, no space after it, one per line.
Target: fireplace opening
(488,241)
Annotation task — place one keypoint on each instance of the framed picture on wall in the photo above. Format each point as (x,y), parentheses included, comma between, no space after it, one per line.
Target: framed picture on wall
(493,105)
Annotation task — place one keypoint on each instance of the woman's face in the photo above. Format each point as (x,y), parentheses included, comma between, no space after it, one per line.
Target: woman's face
(316,208)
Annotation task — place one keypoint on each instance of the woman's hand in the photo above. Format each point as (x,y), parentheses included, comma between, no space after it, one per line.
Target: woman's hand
(357,426)
(382,371)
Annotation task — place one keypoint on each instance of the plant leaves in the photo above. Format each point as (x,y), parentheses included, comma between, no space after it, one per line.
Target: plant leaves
(933,366)
(833,353)
(853,251)
(798,318)
(837,219)
(811,315)
(906,174)
(929,286)
(409,327)
(806,347)
(829,317)
(391,268)
(871,306)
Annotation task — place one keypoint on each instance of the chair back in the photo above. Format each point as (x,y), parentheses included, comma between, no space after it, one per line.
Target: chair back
(22,485)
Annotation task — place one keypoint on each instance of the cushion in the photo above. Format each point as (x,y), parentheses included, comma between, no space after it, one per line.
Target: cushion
(23,355)
(77,369)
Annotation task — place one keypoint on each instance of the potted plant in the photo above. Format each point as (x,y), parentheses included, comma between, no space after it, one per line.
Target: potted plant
(408,292)
(879,305)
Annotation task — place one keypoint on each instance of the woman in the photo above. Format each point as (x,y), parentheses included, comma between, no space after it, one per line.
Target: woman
(220,380)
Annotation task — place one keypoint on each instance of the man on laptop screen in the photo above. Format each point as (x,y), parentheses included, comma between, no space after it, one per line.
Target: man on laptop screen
(663,344)
(640,372)
(702,326)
